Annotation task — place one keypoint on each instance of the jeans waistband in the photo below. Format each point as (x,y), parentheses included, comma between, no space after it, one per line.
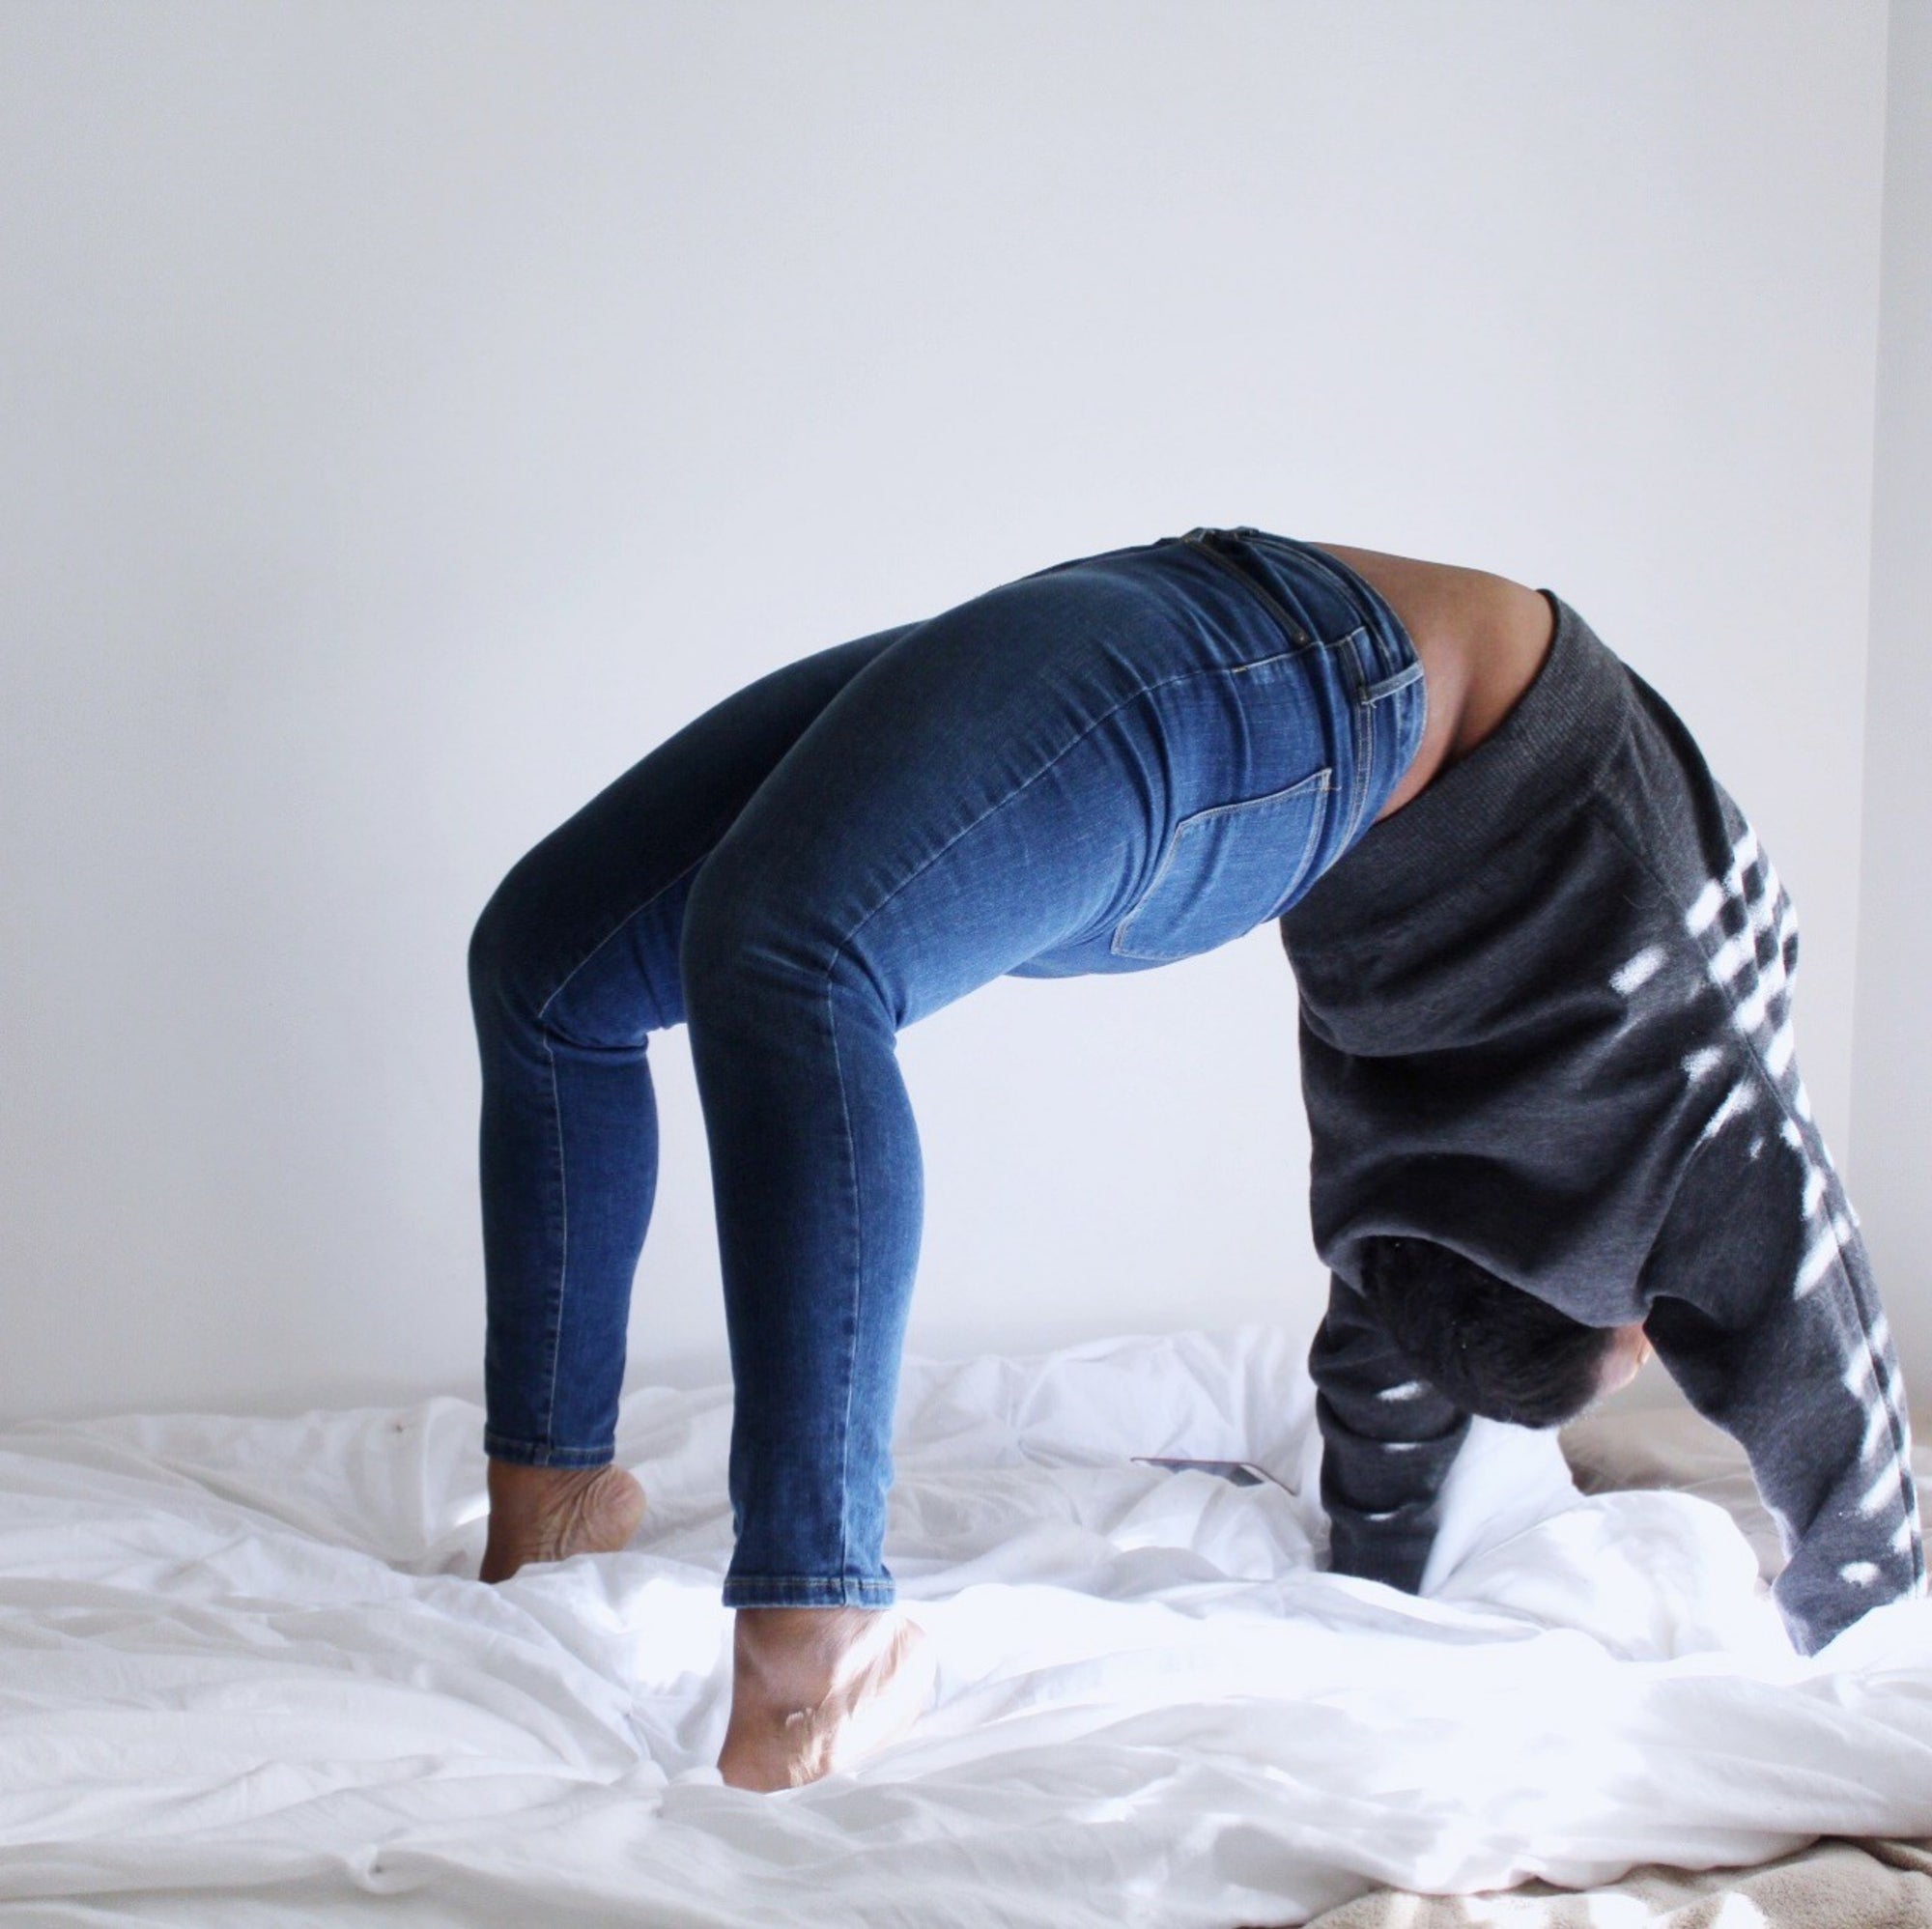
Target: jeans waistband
(1319,596)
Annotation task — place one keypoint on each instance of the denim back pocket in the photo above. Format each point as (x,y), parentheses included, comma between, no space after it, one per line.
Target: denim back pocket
(1226,870)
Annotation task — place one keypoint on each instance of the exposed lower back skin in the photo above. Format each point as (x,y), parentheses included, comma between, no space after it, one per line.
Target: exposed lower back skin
(1481,639)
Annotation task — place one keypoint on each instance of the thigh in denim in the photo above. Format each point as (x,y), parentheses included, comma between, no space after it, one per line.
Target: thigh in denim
(1253,761)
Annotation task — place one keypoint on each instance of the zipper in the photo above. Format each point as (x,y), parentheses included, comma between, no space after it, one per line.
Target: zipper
(1198,537)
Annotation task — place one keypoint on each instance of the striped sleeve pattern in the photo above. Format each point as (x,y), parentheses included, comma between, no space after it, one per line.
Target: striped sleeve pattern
(1387,1442)
(1766,1315)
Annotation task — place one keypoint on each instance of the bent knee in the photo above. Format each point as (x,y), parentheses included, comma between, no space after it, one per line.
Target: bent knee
(501,957)
(608,983)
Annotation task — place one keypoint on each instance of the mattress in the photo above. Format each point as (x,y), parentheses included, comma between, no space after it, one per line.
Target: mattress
(248,1675)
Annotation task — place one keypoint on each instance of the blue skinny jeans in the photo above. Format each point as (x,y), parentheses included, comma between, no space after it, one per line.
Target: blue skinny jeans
(1109,764)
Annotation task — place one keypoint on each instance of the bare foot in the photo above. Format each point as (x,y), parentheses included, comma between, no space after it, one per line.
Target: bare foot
(548,1514)
(815,1689)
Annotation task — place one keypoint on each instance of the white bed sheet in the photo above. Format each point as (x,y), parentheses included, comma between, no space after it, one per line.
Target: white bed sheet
(247,1676)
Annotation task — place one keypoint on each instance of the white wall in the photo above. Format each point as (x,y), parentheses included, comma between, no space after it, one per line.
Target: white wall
(1893,1064)
(414,412)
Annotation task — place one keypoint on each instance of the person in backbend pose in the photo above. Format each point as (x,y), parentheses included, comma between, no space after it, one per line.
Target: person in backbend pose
(1544,975)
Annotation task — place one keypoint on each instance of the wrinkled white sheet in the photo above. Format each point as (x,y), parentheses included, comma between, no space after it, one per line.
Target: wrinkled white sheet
(246,1677)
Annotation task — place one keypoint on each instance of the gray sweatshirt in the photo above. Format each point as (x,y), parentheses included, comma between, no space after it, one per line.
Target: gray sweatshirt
(1546,1020)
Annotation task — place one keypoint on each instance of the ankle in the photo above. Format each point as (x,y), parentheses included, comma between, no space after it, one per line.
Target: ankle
(512,1482)
(548,1514)
(799,1646)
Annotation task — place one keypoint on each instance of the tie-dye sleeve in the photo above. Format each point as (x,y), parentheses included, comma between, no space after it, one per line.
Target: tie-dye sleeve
(1387,1442)
(1762,1303)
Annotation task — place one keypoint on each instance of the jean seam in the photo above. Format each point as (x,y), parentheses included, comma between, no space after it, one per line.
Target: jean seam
(858,1276)
(546,1453)
(1361,711)
(563,1255)
(1365,781)
(1267,662)
(841,1584)
(1392,684)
